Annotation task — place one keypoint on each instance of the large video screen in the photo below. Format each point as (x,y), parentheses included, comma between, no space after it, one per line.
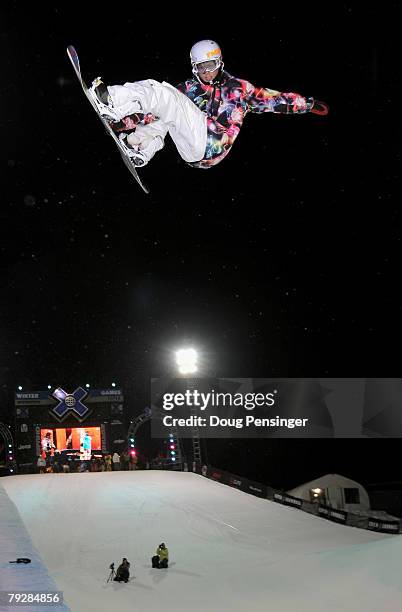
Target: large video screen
(80,439)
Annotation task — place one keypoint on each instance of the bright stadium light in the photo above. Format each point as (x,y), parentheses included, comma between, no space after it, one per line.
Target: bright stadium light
(186,360)
(20,388)
(87,386)
(113,384)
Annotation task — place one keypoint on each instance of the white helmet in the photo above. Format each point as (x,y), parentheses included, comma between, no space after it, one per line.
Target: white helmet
(206,56)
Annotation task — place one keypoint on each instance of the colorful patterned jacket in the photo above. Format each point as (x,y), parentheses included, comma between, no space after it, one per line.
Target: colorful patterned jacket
(227,101)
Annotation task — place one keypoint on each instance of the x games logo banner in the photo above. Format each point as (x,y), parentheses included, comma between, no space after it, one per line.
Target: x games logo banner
(70,403)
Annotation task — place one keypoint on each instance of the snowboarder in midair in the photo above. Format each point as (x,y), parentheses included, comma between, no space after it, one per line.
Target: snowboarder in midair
(203,115)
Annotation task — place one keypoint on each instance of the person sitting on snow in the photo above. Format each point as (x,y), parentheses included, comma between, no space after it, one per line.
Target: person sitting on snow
(161,559)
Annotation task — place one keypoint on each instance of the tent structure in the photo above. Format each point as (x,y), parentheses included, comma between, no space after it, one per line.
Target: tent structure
(336,491)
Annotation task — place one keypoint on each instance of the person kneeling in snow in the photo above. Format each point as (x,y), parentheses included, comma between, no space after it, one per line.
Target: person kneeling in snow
(123,571)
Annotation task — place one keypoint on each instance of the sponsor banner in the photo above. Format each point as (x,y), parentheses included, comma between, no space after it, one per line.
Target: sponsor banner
(237,482)
(43,398)
(34,402)
(38,448)
(255,488)
(383,526)
(287,500)
(248,486)
(33,397)
(105,396)
(22,412)
(338,516)
(217,475)
(332,514)
(104,445)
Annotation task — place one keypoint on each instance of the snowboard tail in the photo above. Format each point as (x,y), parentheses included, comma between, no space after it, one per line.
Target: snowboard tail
(73,56)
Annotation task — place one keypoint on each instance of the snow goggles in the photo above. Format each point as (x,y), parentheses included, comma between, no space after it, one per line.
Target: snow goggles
(209,66)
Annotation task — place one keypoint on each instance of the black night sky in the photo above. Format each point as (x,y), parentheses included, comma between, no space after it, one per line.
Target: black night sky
(283,260)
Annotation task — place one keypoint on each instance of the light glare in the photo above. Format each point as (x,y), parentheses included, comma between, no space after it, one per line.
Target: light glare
(186,360)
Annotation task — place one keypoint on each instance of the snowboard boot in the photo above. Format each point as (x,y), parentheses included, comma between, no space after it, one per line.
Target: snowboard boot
(137,157)
(99,94)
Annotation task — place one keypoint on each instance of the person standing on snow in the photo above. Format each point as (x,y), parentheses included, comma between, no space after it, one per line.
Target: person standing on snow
(41,463)
(116,461)
(108,462)
(203,115)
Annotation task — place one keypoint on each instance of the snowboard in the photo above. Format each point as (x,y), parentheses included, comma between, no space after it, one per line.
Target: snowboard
(73,56)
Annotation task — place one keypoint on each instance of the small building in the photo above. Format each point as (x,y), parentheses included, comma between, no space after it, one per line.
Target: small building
(336,491)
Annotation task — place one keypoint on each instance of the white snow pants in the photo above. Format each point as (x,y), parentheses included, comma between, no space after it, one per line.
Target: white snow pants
(177,114)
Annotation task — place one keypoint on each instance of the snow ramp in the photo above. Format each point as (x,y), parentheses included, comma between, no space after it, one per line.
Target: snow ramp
(227,550)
